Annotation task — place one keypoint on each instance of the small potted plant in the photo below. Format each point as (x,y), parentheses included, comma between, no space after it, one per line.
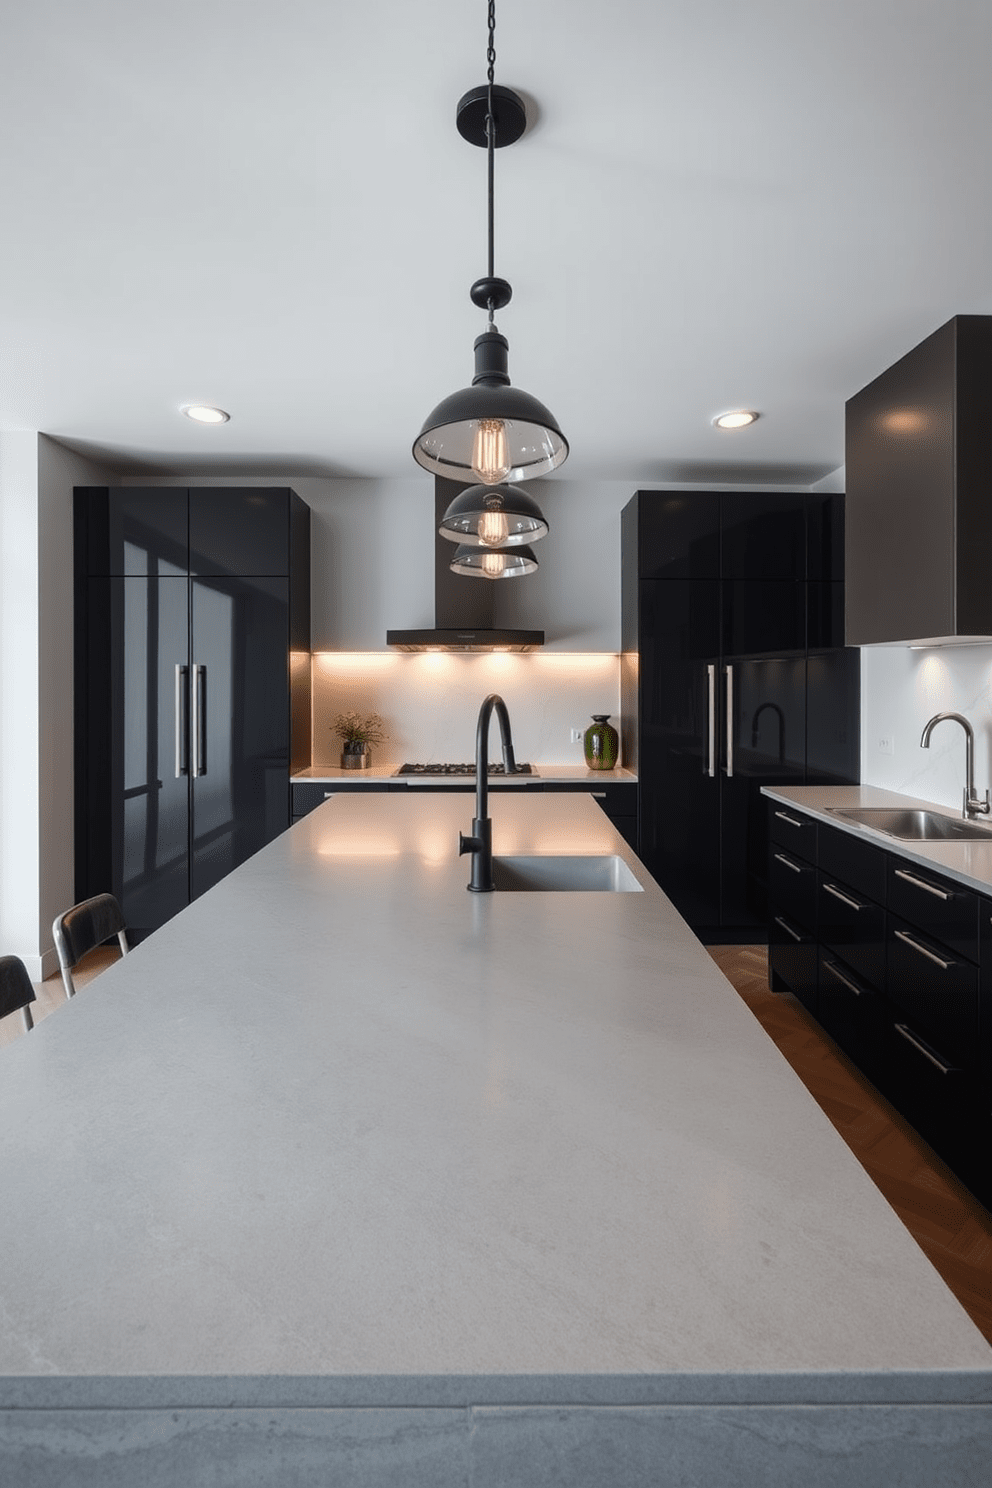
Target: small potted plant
(358,734)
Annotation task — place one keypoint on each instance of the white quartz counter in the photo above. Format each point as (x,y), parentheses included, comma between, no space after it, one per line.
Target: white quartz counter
(970,862)
(449,1188)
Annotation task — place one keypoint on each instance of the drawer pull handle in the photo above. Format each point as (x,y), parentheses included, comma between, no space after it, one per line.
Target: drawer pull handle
(600,795)
(921,883)
(923,950)
(787,928)
(924,1049)
(781,858)
(835,971)
(329,794)
(784,816)
(844,898)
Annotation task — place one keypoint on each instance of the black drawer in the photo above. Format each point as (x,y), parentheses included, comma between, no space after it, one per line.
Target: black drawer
(938,906)
(792,960)
(792,887)
(934,991)
(985,982)
(852,860)
(309,794)
(851,1011)
(853,927)
(792,830)
(615,799)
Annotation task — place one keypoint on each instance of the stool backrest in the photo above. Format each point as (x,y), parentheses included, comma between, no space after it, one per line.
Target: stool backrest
(82,928)
(16,991)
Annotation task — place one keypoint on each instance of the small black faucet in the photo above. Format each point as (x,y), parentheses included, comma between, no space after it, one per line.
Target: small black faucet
(781,727)
(480,844)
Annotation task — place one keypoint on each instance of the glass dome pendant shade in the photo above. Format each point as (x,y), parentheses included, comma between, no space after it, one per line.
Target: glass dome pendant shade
(493,563)
(493,517)
(490,432)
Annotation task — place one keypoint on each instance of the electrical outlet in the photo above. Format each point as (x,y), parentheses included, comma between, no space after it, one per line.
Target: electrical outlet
(576,736)
(886,744)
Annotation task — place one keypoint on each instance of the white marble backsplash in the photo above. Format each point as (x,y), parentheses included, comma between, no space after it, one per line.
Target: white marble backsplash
(430,701)
(901,689)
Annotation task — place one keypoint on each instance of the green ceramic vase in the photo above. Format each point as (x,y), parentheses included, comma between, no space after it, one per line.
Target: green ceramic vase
(601,743)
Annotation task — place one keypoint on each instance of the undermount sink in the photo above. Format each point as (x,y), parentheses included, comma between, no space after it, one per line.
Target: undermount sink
(561,874)
(917,826)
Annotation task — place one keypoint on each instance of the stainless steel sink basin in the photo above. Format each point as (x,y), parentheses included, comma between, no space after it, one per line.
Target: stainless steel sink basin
(561,874)
(916,826)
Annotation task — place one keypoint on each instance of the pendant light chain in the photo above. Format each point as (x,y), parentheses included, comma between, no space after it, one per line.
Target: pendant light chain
(491,138)
(491,433)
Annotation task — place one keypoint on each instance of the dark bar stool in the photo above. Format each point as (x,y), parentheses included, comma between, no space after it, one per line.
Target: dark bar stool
(16,990)
(82,928)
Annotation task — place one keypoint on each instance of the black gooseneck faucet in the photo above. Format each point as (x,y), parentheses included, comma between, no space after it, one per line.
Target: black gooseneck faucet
(480,844)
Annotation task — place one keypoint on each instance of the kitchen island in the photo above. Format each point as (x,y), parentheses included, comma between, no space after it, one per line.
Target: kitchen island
(348,1175)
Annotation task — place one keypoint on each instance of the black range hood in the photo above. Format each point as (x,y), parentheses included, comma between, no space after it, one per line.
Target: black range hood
(466,610)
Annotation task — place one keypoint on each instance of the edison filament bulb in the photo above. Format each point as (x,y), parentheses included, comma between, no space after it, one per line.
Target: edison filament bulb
(490,459)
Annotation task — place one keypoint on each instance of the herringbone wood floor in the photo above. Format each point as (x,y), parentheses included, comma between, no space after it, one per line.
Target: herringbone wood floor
(949,1225)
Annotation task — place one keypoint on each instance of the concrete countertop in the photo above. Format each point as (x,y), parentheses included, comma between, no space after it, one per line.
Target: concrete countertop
(377,773)
(969,863)
(345,1154)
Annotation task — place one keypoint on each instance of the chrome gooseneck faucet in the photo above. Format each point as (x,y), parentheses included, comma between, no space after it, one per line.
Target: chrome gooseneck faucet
(480,844)
(973,805)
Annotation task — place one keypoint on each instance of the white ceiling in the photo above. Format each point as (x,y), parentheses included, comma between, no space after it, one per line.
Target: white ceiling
(267,206)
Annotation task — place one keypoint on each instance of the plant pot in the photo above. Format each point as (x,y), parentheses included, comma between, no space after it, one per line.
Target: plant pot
(356,757)
(601,743)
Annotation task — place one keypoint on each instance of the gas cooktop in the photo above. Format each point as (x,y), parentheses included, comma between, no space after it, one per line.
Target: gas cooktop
(494,769)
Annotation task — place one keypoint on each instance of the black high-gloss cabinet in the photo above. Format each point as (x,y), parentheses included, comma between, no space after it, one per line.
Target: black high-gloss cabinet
(733,605)
(192,687)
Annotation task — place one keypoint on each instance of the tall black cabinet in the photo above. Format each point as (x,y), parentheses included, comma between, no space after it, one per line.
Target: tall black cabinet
(192,695)
(733,676)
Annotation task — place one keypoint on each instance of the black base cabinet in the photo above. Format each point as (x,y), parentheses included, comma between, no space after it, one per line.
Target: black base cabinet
(618,799)
(192,686)
(895,961)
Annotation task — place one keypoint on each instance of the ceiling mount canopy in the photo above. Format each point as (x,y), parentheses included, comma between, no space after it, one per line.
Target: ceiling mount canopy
(491,433)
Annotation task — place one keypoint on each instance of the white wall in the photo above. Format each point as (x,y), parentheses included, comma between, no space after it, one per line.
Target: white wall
(900,690)
(19,698)
(36,648)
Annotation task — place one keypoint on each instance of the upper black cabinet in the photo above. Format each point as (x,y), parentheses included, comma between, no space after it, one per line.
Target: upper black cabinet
(234,532)
(919,468)
(677,534)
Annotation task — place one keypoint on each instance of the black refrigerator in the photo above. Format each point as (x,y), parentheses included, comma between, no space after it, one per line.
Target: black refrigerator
(192,703)
(732,678)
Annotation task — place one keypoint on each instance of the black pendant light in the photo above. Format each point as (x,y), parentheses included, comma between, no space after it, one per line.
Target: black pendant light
(493,517)
(490,433)
(493,563)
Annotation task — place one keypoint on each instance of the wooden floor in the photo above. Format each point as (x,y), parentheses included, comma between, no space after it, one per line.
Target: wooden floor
(950,1226)
(50,995)
(953,1229)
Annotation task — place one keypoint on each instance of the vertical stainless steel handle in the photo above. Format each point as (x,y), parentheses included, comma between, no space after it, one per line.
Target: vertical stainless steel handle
(198,721)
(711,720)
(730,720)
(182,765)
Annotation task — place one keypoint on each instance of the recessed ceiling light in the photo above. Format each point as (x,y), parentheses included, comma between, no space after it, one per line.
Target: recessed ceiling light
(202,413)
(738,419)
